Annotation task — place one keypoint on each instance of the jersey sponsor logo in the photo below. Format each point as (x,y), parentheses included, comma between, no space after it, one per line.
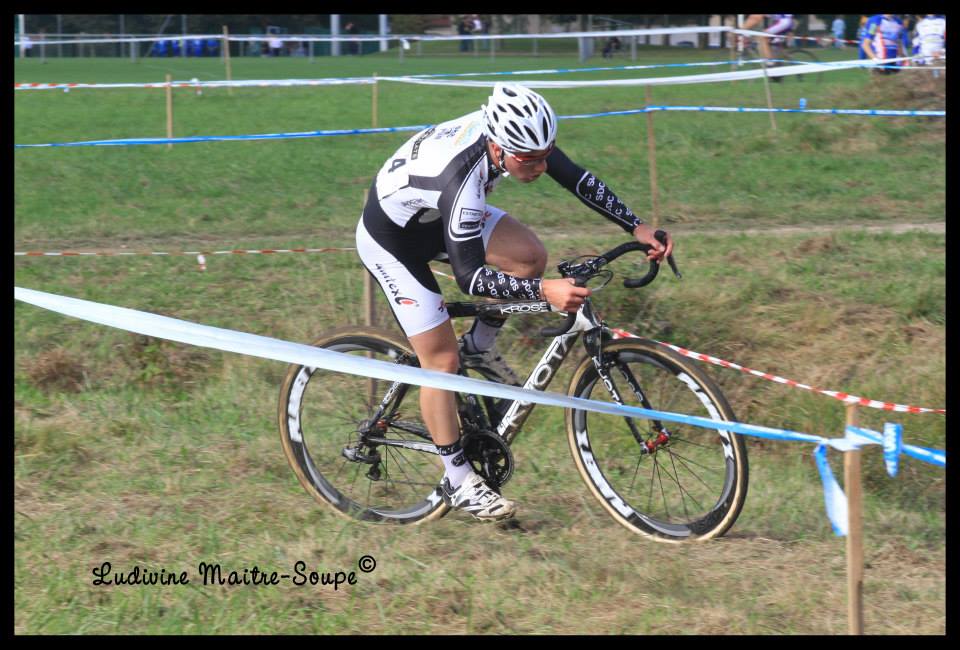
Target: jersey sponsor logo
(467,132)
(415,203)
(468,223)
(407,302)
(419,141)
(390,283)
(525,309)
(448,132)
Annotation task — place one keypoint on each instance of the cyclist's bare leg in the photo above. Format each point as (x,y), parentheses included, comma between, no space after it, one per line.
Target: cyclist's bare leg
(515,249)
(437,350)
(462,487)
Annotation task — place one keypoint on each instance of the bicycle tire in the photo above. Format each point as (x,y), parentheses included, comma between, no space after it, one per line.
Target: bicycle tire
(319,413)
(700,484)
(803,56)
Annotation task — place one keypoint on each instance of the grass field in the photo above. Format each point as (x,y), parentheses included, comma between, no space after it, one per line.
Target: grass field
(145,453)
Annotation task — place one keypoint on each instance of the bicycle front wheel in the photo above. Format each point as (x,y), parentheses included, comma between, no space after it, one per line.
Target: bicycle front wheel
(358,444)
(669,482)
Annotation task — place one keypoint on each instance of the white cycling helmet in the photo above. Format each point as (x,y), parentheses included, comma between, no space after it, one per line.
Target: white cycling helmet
(518,119)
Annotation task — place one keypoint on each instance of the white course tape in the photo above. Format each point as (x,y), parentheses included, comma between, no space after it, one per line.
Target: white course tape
(741,75)
(269,348)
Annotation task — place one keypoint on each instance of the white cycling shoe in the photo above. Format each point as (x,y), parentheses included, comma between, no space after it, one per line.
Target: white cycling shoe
(477,498)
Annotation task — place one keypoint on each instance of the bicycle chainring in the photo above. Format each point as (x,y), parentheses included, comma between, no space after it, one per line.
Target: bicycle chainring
(489,456)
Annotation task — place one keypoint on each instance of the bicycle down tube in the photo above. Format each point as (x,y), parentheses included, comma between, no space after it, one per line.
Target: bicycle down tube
(546,368)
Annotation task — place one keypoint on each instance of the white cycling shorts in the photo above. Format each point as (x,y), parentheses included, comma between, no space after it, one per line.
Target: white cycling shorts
(781,26)
(410,287)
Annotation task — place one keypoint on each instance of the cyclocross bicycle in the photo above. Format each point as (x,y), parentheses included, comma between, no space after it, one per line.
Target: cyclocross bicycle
(782,55)
(359,444)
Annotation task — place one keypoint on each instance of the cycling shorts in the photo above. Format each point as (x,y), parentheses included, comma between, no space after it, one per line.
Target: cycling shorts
(400,264)
(781,26)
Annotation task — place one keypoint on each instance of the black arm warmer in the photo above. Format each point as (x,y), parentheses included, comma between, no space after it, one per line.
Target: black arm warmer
(590,190)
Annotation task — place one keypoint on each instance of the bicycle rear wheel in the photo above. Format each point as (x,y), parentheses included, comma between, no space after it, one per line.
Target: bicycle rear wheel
(803,56)
(340,456)
(690,487)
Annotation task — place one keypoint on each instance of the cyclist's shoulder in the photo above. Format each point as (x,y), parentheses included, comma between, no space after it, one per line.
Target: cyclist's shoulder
(455,142)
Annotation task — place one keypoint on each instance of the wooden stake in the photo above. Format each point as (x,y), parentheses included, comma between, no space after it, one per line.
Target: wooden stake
(369,319)
(374,121)
(370,306)
(766,87)
(851,481)
(652,158)
(226,57)
(733,49)
(169,111)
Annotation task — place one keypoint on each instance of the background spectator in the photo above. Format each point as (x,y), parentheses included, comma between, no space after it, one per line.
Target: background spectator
(839,29)
(351,30)
(275,44)
(463,28)
(612,45)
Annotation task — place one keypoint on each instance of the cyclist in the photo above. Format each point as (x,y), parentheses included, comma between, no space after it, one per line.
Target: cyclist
(931,38)
(883,34)
(780,26)
(428,201)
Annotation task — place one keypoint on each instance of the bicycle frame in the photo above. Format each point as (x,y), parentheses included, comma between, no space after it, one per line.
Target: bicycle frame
(546,368)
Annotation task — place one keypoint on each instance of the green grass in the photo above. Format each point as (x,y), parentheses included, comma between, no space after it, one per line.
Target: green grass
(148,453)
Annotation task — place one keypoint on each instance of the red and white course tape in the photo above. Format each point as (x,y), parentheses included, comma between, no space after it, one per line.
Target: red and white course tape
(844,397)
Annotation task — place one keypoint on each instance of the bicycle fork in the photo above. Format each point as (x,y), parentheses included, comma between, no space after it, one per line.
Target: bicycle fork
(593,340)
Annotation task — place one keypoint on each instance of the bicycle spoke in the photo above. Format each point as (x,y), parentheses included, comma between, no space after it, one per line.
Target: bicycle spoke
(636,471)
(683,492)
(684,459)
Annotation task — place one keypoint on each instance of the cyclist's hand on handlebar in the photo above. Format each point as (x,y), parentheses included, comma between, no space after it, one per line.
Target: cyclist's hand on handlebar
(644,234)
(563,294)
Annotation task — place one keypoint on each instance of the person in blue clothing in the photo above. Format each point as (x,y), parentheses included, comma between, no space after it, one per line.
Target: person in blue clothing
(861,33)
(839,29)
(883,39)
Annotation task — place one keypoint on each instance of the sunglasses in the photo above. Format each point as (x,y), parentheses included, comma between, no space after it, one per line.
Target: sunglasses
(530,161)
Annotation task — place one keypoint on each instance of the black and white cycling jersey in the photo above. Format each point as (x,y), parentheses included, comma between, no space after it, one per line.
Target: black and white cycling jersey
(429,200)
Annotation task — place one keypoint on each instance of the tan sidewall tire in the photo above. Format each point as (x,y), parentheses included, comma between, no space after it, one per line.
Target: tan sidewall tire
(326,339)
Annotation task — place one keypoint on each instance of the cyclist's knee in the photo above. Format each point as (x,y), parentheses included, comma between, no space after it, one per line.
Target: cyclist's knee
(436,349)
(534,262)
(528,260)
(445,360)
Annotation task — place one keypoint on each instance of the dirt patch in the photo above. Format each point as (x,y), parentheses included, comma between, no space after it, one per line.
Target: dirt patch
(820,245)
(57,369)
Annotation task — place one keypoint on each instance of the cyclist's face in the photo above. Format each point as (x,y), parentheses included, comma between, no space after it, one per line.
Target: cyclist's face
(528,166)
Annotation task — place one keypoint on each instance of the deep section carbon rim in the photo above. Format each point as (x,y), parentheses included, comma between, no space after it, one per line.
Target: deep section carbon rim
(321,415)
(690,486)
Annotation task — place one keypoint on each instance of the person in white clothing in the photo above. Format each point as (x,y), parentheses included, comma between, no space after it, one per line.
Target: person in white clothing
(931,39)
(429,201)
